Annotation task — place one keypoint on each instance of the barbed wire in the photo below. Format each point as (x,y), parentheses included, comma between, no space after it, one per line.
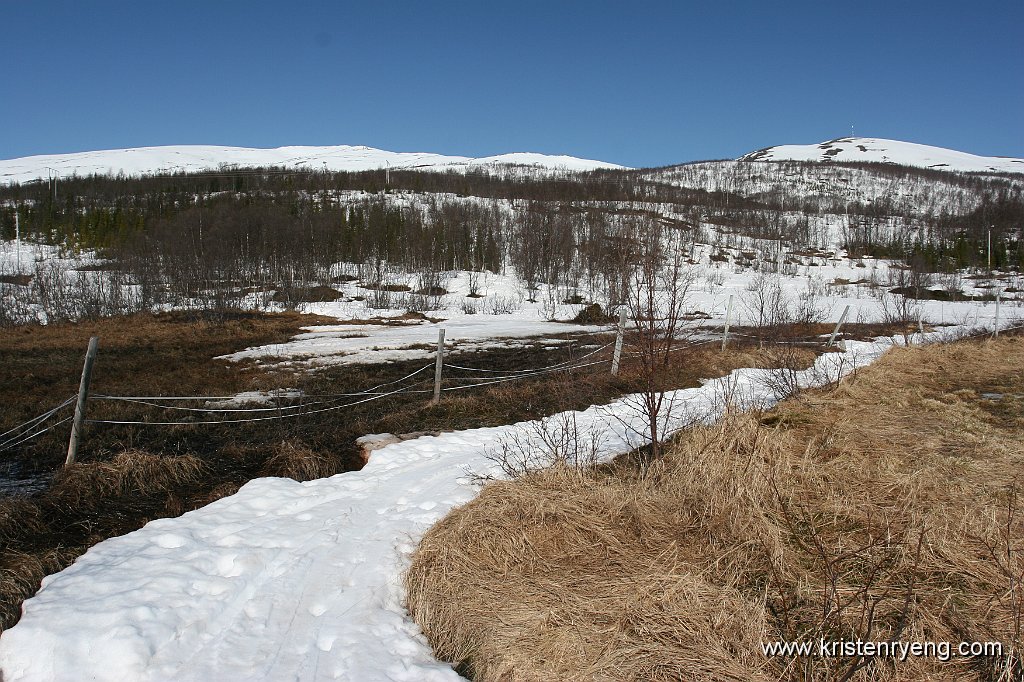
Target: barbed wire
(488,382)
(253,419)
(483,381)
(151,400)
(16,434)
(515,372)
(9,445)
(42,417)
(371,395)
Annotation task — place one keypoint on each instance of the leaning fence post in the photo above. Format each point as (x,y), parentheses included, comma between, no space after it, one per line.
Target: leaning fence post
(995,332)
(438,366)
(83,395)
(618,341)
(728,314)
(842,319)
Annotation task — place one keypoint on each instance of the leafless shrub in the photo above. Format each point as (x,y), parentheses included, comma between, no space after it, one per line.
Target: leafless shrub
(812,305)
(766,302)
(661,283)
(15,300)
(475,283)
(713,278)
(380,299)
(899,311)
(782,380)
(502,305)
(554,441)
(416,303)
(952,283)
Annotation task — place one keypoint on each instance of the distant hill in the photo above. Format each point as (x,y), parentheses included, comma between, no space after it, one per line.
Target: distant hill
(194,158)
(875,150)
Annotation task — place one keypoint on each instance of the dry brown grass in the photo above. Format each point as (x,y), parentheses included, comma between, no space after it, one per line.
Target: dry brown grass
(18,516)
(295,460)
(887,508)
(132,472)
(21,573)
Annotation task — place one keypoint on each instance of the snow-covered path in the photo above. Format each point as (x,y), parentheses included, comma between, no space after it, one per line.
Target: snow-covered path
(302,581)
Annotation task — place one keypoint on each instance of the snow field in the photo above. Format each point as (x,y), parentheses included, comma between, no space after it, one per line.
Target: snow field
(322,345)
(469,326)
(197,158)
(870,149)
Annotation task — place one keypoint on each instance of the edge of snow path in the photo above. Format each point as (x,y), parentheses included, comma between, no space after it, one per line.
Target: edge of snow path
(304,580)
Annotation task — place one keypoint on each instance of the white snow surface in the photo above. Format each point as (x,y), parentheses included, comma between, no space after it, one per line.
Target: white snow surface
(878,150)
(194,158)
(303,581)
(344,344)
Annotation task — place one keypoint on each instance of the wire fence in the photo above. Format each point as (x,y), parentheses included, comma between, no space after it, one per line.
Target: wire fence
(304,405)
(321,403)
(22,433)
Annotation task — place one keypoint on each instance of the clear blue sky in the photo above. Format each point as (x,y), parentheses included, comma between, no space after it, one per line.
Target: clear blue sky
(645,83)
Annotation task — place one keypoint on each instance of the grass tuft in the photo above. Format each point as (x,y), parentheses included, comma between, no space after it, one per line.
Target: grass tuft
(132,472)
(295,460)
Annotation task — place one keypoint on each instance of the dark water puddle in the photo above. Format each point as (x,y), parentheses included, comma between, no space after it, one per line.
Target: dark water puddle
(15,481)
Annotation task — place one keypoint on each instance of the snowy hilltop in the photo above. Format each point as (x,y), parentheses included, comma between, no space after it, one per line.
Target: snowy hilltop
(195,158)
(875,150)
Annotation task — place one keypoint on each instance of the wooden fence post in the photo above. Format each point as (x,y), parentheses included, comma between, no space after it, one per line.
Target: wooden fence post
(920,320)
(995,332)
(438,366)
(728,314)
(618,341)
(842,319)
(83,395)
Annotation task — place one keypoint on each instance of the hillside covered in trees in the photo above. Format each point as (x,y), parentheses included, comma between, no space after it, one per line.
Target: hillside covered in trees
(218,236)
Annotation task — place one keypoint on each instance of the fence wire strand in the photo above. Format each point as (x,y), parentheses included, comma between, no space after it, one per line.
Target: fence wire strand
(151,401)
(489,381)
(253,419)
(11,444)
(514,372)
(18,431)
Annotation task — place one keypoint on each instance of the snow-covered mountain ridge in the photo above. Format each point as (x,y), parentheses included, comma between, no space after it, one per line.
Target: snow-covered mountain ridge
(876,150)
(194,158)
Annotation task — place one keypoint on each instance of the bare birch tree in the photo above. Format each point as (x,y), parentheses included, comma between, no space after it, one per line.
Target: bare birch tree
(661,282)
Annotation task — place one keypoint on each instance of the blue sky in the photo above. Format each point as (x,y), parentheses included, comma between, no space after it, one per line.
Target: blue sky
(644,83)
